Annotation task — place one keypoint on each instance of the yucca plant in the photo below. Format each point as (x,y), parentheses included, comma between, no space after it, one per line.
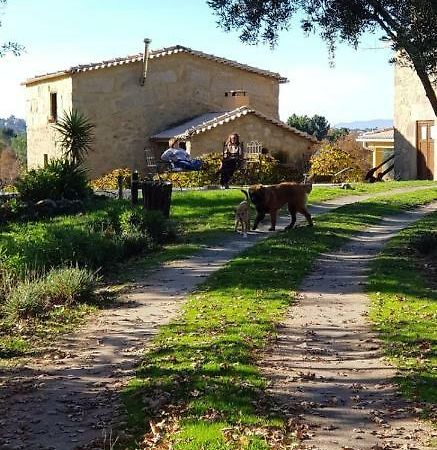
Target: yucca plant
(76,135)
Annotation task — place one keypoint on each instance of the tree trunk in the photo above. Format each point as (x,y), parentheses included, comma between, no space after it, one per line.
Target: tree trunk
(429,89)
(394,32)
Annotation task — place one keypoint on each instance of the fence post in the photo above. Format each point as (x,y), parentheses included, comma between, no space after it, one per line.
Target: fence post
(135,182)
(120,186)
(167,190)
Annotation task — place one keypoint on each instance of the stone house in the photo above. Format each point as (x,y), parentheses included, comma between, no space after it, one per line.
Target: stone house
(139,102)
(415,129)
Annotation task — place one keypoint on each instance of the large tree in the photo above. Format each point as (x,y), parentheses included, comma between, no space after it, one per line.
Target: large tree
(408,25)
(6,47)
(318,126)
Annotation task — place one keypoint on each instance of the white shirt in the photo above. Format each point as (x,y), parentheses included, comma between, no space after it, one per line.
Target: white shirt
(175,154)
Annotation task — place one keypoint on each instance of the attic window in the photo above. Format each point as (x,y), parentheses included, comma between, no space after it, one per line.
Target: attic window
(53,107)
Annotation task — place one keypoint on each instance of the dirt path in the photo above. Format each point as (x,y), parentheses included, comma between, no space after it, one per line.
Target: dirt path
(327,367)
(69,397)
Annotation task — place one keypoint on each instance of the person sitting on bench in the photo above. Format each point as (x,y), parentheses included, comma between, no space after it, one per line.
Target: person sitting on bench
(180,158)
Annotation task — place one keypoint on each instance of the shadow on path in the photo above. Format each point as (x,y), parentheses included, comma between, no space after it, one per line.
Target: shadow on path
(326,365)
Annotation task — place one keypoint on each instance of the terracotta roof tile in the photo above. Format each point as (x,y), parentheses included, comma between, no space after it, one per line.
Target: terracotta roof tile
(206,122)
(153,55)
(382,134)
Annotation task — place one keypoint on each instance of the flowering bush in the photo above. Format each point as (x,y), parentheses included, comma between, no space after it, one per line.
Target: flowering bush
(266,171)
(110,179)
(342,154)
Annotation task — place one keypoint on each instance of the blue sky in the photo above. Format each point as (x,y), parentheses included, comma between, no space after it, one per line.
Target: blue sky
(58,34)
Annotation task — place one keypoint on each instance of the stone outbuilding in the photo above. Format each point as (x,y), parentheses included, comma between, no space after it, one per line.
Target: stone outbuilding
(415,129)
(138,102)
(206,134)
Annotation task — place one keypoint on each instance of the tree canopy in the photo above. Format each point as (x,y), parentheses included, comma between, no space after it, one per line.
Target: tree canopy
(407,25)
(317,126)
(11,47)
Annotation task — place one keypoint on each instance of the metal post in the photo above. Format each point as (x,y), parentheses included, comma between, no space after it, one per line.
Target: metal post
(135,183)
(120,186)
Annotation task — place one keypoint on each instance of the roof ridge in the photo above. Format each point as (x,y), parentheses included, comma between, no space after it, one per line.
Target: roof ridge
(157,54)
(228,116)
(378,130)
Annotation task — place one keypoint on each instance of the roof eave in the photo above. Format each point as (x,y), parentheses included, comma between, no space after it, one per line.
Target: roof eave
(49,76)
(231,116)
(375,140)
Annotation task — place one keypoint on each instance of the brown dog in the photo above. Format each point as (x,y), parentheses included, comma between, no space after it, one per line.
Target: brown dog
(269,199)
(242,215)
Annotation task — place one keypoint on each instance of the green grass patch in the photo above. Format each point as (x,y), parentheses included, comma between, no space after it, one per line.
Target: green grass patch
(26,340)
(208,216)
(98,238)
(204,363)
(204,214)
(404,306)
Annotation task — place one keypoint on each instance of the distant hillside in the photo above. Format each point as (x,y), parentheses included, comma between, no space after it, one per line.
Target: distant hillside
(366,124)
(16,124)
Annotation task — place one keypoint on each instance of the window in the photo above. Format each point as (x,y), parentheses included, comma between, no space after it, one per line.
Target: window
(53,107)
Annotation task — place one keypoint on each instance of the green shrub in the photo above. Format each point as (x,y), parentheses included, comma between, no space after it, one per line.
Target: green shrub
(60,287)
(95,239)
(153,223)
(11,209)
(60,179)
(135,242)
(37,247)
(160,229)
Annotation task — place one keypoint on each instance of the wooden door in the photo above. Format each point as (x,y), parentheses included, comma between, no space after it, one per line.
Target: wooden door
(425,150)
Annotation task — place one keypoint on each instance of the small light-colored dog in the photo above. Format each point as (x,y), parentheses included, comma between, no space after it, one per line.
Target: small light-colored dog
(242,215)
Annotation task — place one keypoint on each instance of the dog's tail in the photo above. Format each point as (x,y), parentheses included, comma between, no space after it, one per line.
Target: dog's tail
(245,193)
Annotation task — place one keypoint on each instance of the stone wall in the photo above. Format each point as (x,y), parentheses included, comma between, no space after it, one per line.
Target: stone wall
(252,128)
(41,137)
(411,105)
(126,114)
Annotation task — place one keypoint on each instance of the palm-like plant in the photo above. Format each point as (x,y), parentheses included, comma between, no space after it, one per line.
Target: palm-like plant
(76,135)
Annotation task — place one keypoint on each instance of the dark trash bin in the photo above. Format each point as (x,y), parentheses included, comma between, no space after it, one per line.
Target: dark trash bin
(157,196)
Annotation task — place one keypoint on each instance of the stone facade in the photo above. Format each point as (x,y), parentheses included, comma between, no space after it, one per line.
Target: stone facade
(290,147)
(411,105)
(177,87)
(41,137)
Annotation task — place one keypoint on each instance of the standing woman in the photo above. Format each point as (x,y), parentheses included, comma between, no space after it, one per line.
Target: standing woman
(232,159)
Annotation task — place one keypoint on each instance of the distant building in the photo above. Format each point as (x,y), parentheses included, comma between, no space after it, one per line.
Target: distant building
(141,101)
(381,144)
(415,129)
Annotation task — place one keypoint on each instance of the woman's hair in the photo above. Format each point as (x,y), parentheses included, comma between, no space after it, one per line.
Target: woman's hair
(228,140)
(172,142)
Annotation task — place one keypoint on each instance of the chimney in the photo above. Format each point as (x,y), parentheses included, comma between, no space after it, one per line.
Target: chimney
(145,60)
(235,99)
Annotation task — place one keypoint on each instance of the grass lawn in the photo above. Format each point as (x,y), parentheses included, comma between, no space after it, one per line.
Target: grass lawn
(199,381)
(403,287)
(207,216)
